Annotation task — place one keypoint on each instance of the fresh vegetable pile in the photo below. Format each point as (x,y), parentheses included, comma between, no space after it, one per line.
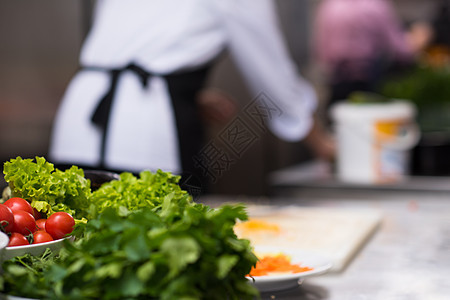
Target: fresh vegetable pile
(145,238)
(48,189)
(41,200)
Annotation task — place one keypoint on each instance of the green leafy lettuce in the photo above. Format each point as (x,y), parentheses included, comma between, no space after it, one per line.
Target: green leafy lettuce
(132,193)
(47,188)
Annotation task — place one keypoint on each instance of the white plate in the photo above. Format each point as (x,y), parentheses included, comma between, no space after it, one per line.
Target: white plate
(280,282)
(33,249)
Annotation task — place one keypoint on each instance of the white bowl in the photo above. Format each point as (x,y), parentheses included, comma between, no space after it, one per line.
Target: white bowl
(4,240)
(10,252)
(33,249)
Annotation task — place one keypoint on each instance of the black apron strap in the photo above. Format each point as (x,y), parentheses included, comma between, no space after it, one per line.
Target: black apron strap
(102,113)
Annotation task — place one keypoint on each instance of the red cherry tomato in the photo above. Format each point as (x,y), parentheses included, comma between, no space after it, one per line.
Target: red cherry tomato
(17,239)
(40,224)
(41,236)
(6,218)
(17,203)
(59,225)
(24,222)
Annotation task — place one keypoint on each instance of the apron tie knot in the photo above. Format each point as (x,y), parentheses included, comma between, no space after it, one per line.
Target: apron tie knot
(101,115)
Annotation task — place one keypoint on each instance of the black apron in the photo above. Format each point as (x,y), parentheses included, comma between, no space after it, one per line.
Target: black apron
(183,87)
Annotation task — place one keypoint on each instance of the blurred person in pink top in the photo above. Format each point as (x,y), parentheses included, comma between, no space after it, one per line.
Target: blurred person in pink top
(356,42)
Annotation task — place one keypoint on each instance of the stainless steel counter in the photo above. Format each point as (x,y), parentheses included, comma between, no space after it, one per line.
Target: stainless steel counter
(320,175)
(408,257)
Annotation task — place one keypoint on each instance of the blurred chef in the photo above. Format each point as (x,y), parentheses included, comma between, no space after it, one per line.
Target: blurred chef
(132,105)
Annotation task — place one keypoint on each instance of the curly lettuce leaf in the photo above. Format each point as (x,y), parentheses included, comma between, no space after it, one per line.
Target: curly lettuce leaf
(48,189)
(133,193)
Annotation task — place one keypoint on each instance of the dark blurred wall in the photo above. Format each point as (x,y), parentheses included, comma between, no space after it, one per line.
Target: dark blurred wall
(40,41)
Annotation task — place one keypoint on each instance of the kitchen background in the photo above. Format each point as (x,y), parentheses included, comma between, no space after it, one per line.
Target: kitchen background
(39,47)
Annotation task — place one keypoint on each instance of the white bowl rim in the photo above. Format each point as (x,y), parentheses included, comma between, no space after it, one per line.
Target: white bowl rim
(31,246)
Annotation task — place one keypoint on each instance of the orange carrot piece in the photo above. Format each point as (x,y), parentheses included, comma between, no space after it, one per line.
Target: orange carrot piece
(279,263)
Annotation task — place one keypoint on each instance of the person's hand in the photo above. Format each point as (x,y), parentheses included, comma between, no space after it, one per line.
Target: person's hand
(216,107)
(419,36)
(321,143)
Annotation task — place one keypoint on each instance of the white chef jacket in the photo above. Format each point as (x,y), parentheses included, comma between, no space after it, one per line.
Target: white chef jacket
(163,37)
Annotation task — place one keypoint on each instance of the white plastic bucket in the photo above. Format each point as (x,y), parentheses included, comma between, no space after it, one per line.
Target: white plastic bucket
(374,140)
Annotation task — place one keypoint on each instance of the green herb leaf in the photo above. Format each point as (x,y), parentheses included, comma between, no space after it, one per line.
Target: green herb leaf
(181,251)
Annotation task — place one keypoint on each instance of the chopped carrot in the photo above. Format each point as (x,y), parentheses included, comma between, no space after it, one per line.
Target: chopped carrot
(279,263)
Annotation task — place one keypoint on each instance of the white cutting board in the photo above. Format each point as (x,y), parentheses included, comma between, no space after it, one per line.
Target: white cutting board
(335,233)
